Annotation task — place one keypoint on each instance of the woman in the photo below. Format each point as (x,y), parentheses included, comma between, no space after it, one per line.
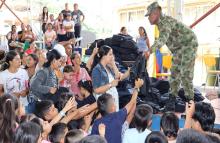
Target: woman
(45,83)
(8,106)
(59,22)
(28,36)
(78,74)
(14,44)
(44,18)
(32,61)
(105,75)
(123,31)
(50,36)
(143,41)
(14,80)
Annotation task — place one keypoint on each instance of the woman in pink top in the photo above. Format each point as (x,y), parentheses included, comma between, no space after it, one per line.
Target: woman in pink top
(79,73)
(49,36)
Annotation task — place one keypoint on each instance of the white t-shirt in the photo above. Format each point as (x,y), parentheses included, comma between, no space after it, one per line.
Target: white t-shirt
(133,136)
(15,82)
(50,35)
(69,23)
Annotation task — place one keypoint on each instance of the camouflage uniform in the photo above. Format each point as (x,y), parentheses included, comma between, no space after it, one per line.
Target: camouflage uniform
(182,42)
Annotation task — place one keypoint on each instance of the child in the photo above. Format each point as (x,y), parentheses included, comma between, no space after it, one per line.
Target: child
(67,77)
(156,137)
(74,136)
(113,120)
(86,96)
(142,120)
(58,133)
(170,126)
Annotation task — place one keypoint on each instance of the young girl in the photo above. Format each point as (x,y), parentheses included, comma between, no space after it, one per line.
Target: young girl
(86,96)
(67,77)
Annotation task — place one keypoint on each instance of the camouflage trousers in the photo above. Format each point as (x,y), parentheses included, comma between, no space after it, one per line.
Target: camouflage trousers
(182,70)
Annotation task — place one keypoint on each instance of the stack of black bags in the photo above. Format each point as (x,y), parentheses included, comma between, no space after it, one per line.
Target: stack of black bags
(124,48)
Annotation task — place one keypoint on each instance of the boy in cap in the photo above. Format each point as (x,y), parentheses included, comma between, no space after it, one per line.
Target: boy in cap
(182,42)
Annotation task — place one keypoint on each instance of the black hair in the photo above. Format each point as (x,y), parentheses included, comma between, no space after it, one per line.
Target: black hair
(51,55)
(86,84)
(170,124)
(191,136)
(142,116)
(93,139)
(122,28)
(205,115)
(145,33)
(2,55)
(8,106)
(74,136)
(68,69)
(9,57)
(72,57)
(38,122)
(34,57)
(102,51)
(30,27)
(50,25)
(43,14)
(26,118)
(103,103)
(59,19)
(13,27)
(42,108)
(76,124)
(156,137)
(57,132)
(27,132)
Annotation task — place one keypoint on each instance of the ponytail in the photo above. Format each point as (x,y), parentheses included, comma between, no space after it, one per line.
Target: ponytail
(8,123)
(9,57)
(4,66)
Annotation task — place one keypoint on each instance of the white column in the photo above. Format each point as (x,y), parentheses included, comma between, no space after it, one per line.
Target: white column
(169,7)
(178,9)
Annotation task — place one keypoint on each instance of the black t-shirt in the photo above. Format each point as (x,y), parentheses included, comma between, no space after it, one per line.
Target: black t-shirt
(88,100)
(76,17)
(65,13)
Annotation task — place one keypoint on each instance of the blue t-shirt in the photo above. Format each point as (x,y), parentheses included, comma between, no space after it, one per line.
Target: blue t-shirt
(113,123)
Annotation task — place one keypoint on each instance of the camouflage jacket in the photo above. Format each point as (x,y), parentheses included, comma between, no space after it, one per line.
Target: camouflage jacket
(174,34)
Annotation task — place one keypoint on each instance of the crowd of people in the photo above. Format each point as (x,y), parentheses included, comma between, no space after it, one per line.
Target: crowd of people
(50,95)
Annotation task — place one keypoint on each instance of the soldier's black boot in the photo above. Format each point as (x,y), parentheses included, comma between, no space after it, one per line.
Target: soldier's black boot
(170,105)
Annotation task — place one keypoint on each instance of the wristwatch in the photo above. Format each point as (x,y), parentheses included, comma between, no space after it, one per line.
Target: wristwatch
(137,89)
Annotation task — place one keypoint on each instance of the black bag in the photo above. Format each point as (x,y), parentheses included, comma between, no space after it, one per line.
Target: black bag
(162,85)
(197,95)
(100,42)
(117,39)
(129,44)
(108,41)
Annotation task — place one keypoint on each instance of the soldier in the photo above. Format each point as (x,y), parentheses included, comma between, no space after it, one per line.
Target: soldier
(182,42)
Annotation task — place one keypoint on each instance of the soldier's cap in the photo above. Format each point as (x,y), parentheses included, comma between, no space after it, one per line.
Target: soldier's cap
(152,7)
